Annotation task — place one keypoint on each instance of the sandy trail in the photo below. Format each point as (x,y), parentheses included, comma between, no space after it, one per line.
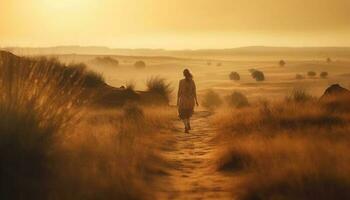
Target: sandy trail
(191,175)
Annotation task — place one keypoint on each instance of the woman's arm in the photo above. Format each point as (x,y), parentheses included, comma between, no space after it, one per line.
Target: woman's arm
(195,93)
(178,94)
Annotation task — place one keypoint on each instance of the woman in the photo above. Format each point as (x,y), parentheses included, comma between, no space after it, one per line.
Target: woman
(186,98)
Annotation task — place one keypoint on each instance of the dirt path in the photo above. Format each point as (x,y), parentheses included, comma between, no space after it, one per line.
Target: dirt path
(192,175)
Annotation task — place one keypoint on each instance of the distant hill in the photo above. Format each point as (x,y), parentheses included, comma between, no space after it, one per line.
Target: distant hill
(243,51)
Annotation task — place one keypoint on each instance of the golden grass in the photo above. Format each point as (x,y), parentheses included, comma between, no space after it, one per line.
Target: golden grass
(289,149)
(112,154)
(54,146)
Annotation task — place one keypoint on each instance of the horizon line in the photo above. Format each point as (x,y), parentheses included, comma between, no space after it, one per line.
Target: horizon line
(168,49)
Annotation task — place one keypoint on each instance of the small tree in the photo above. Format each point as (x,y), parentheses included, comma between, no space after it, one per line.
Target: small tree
(311,74)
(211,100)
(258,75)
(237,99)
(282,63)
(234,76)
(140,64)
(324,74)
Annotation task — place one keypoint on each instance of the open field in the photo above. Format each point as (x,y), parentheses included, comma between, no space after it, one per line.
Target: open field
(82,138)
(279,80)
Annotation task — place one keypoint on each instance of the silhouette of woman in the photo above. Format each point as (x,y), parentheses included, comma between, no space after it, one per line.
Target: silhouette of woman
(186,99)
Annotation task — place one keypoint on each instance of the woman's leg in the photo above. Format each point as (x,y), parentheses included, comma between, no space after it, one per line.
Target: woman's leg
(185,121)
(189,124)
(185,124)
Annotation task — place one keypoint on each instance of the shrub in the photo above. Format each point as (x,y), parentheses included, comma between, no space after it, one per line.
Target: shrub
(219,64)
(130,86)
(311,73)
(234,76)
(324,74)
(211,100)
(208,63)
(107,60)
(258,75)
(299,76)
(140,64)
(282,63)
(93,79)
(300,96)
(160,87)
(237,99)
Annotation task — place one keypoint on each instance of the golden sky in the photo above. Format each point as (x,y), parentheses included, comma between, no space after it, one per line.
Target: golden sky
(175,24)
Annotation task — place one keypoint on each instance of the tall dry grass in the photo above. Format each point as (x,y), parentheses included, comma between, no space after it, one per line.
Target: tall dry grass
(112,154)
(53,146)
(291,149)
(160,89)
(36,105)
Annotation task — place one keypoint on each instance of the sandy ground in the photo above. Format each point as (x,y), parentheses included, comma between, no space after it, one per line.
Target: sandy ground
(191,175)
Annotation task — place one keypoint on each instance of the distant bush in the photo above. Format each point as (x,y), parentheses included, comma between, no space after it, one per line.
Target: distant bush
(211,100)
(258,75)
(299,96)
(299,76)
(219,64)
(208,63)
(324,74)
(311,74)
(107,60)
(140,64)
(159,86)
(234,76)
(237,99)
(329,60)
(282,63)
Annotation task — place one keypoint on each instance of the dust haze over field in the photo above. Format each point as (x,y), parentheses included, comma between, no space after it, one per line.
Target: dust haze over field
(88,102)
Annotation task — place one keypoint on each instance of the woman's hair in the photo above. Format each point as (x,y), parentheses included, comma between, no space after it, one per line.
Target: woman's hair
(187,74)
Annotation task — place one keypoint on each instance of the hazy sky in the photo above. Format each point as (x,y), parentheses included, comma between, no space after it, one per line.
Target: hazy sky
(175,24)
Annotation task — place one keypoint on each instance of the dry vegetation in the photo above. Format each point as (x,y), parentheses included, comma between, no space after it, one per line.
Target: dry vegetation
(54,146)
(211,100)
(293,149)
(160,89)
(257,75)
(234,76)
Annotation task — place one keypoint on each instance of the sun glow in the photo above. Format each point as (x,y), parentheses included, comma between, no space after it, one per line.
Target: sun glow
(174,24)
(65,5)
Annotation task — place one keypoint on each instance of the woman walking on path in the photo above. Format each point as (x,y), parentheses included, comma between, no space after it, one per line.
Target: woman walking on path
(186,99)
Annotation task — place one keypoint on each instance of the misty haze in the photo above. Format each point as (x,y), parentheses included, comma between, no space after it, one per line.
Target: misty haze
(126,99)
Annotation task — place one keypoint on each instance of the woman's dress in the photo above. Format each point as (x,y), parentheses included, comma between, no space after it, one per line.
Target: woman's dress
(186,98)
